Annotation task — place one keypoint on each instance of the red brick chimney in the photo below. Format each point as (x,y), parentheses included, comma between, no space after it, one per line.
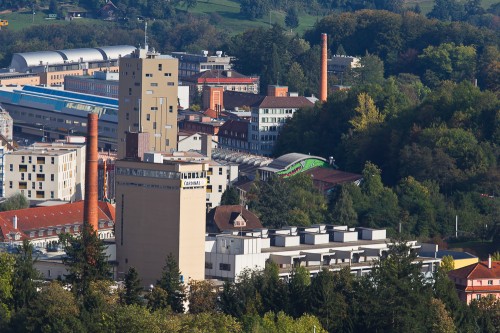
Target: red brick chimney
(90,209)
(323,90)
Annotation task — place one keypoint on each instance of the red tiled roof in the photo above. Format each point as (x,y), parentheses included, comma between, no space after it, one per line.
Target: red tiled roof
(211,113)
(43,217)
(284,102)
(222,217)
(478,270)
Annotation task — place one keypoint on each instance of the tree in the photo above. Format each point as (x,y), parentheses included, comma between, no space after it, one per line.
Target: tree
(367,113)
(296,78)
(292,18)
(171,282)
(298,287)
(439,319)
(26,276)
(85,259)
(54,310)
(230,196)
(324,302)
(254,9)
(394,297)
(14,202)
(7,262)
(133,289)
(202,297)
(343,211)
(53,6)
(157,299)
(447,264)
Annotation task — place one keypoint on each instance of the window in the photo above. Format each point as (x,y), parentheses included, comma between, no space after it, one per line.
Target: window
(52,177)
(224,267)
(209,265)
(40,194)
(220,171)
(220,188)
(52,194)
(22,159)
(149,75)
(154,108)
(52,160)
(170,108)
(130,91)
(149,92)
(490,282)
(29,159)
(154,125)
(160,67)
(167,142)
(478,296)
(10,184)
(40,160)
(168,74)
(11,167)
(34,168)
(154,84)
(29,194)
(148,116)
(170,84)
(23,168)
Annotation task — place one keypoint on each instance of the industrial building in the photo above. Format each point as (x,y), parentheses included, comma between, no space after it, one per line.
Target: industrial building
(316,247)
(160,211)
(191,64)
(54,114)
(52,66)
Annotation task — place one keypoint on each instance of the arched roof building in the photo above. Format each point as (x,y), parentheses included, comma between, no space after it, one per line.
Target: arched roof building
(26,61)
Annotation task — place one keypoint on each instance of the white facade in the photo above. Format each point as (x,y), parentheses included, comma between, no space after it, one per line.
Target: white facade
(193,142)
(228,255)
(46,171)
(219,177)
(6,124)
(264,128)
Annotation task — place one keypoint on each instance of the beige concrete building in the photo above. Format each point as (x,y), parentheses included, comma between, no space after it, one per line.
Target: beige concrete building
(148,99)
(46,171)
(160,210)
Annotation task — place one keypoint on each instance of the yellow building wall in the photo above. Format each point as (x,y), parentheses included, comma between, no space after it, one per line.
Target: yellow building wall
(459,263)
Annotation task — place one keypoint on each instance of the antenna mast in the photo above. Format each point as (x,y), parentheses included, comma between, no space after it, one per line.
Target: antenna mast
(146,47)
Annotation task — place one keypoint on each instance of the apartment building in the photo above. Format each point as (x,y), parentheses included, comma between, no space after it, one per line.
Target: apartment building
(44,171)
(148,99)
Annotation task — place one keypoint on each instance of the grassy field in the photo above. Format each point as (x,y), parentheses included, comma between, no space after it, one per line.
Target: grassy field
(24,19)
(234,22)
(426,5)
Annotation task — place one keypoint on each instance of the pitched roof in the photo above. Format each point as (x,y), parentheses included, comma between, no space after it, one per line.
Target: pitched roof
(222,218)
(52,216)
(284,102)
(234,128)
(236,99)
(478,270)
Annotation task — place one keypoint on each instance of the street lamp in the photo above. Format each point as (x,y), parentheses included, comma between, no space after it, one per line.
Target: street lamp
(42,129)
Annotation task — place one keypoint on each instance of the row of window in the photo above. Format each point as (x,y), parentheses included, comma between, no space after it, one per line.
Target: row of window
(276,111)
(222,266)
(39,159)
(24,167)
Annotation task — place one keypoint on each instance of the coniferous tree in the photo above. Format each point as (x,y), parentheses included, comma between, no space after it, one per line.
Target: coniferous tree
(25,276)
(85,259)
(292,18)
(133,289)
(171,282)
(230,196)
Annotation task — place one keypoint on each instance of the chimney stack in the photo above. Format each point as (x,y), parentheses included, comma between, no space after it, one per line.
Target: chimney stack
(90,209)
(14,221)
(489,261)
(324,68)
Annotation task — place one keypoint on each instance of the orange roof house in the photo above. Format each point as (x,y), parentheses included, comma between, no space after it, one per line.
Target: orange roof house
(477,280)
(42,225)
(231,217)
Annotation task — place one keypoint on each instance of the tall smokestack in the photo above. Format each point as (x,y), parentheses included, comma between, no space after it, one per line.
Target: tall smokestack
(90,209)
(324,68)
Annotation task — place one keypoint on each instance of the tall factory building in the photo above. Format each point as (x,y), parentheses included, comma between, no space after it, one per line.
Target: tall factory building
(148,99)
